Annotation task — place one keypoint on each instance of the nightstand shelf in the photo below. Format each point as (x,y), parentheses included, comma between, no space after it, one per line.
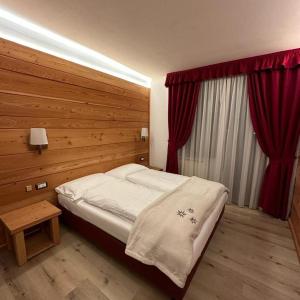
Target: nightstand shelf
(36,243)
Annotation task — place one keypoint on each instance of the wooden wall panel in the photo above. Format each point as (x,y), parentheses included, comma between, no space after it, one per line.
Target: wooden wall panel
(7,63)
(33,159)
(93,123)
(11,122)
(14,82)
(25,54)
(37,106)
(14,141)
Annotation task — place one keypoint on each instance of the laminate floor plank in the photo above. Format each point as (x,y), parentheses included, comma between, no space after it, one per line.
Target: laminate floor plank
(86,290)
(251,257)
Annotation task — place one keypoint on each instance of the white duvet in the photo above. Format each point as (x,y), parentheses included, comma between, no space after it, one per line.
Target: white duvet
(121,197)
(132,189)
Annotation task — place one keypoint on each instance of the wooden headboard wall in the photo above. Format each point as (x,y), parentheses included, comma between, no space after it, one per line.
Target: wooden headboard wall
(93,122)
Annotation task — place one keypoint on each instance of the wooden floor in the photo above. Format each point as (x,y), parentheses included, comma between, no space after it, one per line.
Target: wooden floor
(251,256)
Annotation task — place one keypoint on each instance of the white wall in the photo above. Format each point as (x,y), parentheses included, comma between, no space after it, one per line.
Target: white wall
(158,123)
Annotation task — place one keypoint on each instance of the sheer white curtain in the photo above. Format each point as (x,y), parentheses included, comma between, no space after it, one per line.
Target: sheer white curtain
(222,146)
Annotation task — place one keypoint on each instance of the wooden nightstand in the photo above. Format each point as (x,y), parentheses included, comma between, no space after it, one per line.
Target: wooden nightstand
(31,229)
(155,168)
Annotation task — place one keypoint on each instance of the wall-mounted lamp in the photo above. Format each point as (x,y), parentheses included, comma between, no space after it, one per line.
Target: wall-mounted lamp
(38,137)
(144,134)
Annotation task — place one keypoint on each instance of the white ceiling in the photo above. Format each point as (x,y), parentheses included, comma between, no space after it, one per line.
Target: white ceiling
(159,36)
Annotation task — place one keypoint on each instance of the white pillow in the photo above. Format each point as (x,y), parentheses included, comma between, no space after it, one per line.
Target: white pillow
(161,181)
(75,189)
(123,171)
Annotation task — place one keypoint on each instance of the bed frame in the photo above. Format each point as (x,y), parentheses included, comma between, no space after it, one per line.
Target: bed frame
(116,248)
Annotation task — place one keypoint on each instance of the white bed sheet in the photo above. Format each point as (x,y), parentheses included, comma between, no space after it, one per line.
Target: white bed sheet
(108,222)
(120,228)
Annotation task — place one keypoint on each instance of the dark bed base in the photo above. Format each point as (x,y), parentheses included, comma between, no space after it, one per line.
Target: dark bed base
(116,248)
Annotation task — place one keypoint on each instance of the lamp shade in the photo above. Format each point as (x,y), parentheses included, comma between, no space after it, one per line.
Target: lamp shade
(38,136)
(144,132)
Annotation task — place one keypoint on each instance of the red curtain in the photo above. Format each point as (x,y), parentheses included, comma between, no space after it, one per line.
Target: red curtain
(274,97)
(183,100)
(278,60)
(273,83)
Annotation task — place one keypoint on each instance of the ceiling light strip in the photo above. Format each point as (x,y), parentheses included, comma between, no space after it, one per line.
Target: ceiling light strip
(21,31)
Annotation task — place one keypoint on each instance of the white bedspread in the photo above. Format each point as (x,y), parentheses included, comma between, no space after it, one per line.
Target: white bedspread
(180,215)
(158,180)
(121,197)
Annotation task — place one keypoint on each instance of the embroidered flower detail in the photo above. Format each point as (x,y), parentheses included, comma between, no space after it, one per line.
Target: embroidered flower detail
(190,210)
(193,220)
(181,213)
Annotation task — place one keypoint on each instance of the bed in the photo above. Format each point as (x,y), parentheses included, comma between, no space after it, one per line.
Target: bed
(111,231)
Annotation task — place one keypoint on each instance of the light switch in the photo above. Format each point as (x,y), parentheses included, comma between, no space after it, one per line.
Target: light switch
(28,188)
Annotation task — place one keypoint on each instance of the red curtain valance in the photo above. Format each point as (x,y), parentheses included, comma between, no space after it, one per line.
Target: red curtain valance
(284,59)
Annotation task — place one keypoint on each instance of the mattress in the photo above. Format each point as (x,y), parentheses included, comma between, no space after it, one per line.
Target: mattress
(119,227)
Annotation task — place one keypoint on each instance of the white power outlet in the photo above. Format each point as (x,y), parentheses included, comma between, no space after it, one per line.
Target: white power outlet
(41,185)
